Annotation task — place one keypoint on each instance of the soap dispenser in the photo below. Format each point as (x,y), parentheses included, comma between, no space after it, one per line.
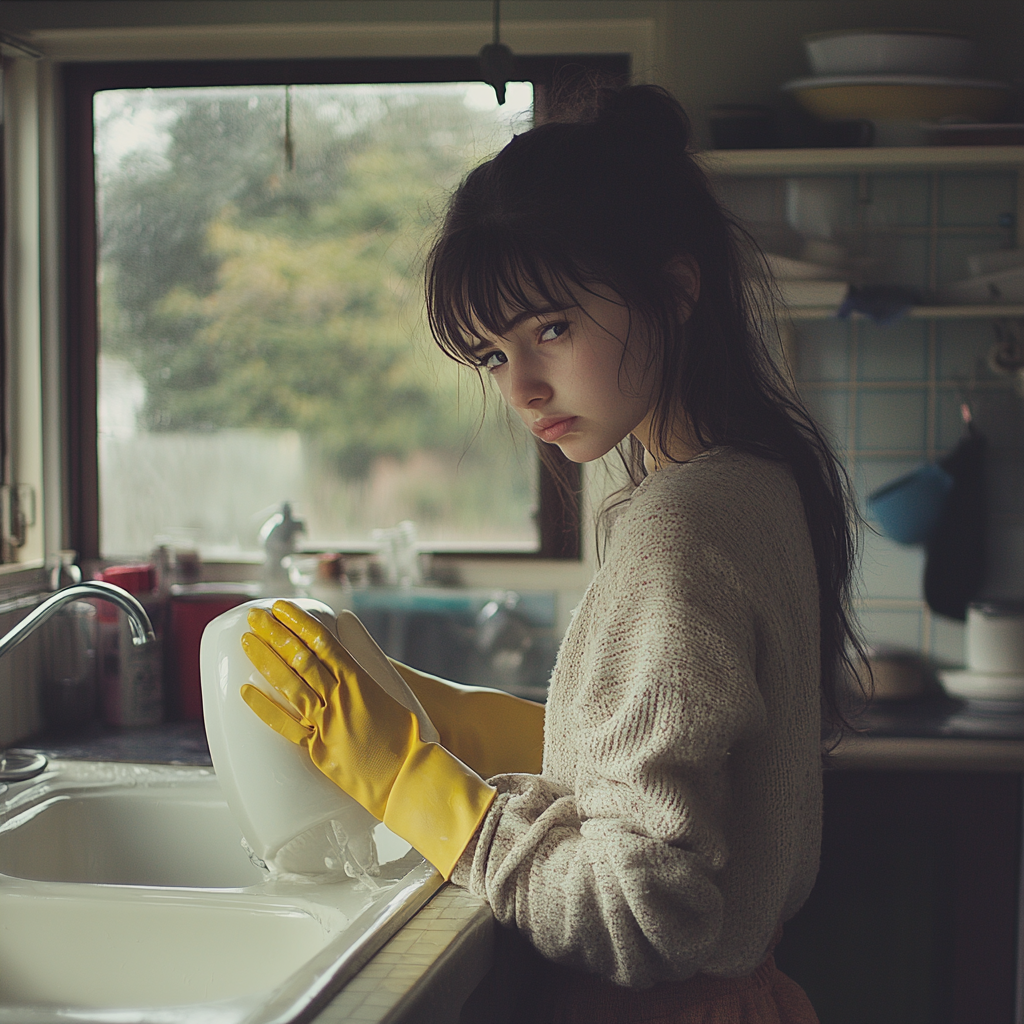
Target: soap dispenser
(278,535)
(295,821)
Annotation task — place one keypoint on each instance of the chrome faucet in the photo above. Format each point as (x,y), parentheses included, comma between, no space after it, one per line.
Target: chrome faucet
(138,620)
(18,765)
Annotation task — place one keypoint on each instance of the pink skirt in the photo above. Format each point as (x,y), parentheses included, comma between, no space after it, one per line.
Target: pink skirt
(765,997)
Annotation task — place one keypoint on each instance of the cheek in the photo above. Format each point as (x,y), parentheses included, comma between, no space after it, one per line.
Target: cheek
(501,385)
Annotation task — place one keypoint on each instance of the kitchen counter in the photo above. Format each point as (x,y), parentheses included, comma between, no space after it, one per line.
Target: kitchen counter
(930,733)
(934,733)
(446,953)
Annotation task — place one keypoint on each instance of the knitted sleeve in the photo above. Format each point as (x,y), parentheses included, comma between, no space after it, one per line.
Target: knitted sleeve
(618,874)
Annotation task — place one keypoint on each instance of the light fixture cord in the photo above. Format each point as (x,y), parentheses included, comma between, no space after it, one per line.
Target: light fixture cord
(289,146)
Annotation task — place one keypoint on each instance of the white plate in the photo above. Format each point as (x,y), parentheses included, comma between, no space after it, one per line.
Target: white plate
(1003,286)
(783,268)
(825,81)
(982,685)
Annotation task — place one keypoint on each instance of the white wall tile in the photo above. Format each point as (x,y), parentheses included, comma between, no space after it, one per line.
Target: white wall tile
(972,199)
(896,200)
(888,569)
(831,410)
(882,627)
(823,350)
(896,352)
(891,420)
(962,351)
(947,640)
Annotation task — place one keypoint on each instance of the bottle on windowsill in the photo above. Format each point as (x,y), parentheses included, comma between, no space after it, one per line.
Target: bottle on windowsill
(331,584)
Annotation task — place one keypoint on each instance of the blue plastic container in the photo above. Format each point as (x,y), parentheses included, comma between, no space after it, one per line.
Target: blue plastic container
(908,508)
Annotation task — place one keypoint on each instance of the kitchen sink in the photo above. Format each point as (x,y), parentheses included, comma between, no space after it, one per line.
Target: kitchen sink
(178,833)
(126,895)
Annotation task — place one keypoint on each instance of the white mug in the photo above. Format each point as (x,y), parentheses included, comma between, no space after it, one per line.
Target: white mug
(995,638)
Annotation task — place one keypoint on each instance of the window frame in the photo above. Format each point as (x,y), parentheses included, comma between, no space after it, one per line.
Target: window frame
(560,484)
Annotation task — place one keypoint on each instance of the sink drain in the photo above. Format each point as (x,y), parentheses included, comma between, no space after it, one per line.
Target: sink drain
(18,765)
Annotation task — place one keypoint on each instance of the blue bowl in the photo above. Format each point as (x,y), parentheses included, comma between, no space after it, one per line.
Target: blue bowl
(908,509)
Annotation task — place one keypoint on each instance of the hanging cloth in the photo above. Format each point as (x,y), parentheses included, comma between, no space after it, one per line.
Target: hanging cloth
(955,566)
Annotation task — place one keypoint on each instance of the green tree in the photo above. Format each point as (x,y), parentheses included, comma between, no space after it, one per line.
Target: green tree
(248,294)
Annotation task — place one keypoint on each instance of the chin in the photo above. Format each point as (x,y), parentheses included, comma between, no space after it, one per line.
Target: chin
(581,453)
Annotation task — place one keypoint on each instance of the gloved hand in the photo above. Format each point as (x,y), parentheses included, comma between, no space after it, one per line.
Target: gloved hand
(360,737)
(490,730)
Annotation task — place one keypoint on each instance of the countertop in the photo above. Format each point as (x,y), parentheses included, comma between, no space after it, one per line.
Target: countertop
(929,733)
(427,971)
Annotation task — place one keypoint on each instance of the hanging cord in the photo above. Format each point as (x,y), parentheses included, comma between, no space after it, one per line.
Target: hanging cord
(289,147)
(497,65)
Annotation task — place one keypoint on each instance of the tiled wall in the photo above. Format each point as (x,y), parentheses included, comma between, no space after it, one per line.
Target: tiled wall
(891,396)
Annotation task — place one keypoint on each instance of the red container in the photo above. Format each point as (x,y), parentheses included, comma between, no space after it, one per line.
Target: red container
(193,607)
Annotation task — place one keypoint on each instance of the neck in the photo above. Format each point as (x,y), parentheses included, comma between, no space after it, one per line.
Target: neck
(680,443)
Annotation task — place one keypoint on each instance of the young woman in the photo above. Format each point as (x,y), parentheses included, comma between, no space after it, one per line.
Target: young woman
(674,823)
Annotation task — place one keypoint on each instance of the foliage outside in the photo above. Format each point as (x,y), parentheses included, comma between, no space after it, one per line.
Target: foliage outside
(256,299)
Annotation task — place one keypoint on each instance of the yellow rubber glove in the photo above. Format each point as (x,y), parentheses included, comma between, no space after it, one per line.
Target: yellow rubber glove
(360,737)
(490,730)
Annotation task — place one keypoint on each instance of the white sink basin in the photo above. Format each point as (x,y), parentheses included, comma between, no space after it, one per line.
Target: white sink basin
(125,895)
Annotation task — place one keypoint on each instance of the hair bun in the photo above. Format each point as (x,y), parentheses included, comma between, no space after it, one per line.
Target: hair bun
(640,111)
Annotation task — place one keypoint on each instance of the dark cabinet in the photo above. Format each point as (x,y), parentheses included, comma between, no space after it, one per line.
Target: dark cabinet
(914,917)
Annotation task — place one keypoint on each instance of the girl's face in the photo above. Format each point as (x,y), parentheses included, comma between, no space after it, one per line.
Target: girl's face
(571,376)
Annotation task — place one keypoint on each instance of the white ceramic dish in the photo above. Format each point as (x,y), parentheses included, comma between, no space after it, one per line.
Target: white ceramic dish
(782,268)
(813,293)
(182,927)
(970,685)
(900,97)
(1002,286)
(889,52)
(294,818)
(992,262)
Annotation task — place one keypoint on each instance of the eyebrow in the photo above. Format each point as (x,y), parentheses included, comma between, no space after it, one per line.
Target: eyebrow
(525,314)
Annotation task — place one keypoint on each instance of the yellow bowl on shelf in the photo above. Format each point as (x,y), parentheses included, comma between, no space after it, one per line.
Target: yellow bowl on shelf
(899,97)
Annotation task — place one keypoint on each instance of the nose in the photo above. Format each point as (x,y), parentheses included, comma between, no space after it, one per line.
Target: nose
(527,385)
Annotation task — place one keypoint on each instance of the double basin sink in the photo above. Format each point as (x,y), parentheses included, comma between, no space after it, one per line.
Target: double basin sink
(126,897)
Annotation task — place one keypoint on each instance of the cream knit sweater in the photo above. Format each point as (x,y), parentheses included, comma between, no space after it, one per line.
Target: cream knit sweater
(677,819)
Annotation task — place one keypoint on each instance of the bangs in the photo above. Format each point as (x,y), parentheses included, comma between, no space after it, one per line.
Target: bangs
(482,282)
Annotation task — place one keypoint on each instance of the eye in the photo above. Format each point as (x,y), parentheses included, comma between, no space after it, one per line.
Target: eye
(492,360)
(552,331)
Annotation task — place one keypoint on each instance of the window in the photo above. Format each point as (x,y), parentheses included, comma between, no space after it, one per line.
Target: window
(246,258)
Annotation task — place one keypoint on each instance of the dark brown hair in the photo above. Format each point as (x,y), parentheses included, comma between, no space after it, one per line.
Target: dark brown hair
(613,196)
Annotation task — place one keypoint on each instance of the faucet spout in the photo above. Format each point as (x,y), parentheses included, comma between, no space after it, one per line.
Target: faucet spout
(138,620)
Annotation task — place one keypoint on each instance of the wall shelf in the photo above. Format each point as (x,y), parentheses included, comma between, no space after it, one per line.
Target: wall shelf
(854,160)
(979,312)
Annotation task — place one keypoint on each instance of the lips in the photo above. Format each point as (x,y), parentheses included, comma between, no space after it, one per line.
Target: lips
(551,428)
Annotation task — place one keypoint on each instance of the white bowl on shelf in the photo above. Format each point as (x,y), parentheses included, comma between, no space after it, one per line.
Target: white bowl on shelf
(889,52)
(982,686)
(899,97)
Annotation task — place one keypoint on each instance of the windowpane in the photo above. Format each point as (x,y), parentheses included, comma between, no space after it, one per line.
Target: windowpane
(261,329)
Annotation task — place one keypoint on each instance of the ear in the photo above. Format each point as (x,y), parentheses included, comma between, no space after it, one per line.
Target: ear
(684,273)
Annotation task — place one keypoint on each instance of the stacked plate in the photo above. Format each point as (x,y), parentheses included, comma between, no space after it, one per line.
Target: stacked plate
(996,277)
(993,678)
(903,81)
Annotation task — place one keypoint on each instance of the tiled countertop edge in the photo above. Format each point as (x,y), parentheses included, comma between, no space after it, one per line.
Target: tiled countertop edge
(918,753)
(425,973)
